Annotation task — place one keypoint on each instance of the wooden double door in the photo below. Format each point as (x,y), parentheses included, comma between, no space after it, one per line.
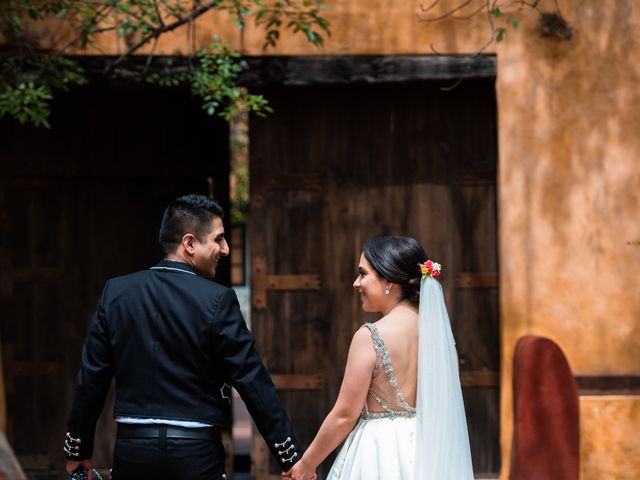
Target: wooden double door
(338,164)
(80,203)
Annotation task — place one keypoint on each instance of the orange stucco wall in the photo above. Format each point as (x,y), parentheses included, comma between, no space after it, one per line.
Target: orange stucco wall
(570,210)
(569,182)
(358,27)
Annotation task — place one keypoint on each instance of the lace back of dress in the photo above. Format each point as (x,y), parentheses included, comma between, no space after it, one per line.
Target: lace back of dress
(384,390)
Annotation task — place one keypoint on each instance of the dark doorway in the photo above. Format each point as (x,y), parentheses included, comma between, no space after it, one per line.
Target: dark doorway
(80,203)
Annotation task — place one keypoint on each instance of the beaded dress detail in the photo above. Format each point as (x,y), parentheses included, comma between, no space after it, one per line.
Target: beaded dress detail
(382,445)
(383,359)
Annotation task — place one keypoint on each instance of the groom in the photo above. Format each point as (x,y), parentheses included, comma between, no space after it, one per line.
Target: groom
(175,342)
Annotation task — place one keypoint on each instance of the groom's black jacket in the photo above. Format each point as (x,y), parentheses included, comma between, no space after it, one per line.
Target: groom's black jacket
(174,342)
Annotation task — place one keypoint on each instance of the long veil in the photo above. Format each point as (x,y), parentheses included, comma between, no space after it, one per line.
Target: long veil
(442,440)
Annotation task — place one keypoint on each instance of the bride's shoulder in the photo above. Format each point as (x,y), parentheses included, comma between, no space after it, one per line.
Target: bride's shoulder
(398,316)
(361,350)
(397,323)
(363,334)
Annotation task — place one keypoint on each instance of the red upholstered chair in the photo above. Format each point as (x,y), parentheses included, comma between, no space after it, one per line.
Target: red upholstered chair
(546,434)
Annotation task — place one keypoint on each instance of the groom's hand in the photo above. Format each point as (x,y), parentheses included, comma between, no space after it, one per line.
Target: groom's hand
(286,475)
(87,465)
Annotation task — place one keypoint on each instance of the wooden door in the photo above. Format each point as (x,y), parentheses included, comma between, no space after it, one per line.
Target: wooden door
(336,165)
(83,202)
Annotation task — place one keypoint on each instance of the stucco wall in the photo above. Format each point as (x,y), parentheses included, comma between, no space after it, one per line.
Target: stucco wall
(569,183)
(570,209)
(610,443)
(358,27)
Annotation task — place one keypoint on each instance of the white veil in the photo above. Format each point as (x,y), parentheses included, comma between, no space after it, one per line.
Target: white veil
(442,440)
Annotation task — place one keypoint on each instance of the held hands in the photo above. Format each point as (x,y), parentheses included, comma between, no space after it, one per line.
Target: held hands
(87,465)
(300,471)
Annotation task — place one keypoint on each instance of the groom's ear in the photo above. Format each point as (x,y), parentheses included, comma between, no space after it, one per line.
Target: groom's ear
(188,243)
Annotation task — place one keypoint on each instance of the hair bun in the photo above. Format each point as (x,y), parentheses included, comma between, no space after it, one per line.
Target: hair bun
(411,290)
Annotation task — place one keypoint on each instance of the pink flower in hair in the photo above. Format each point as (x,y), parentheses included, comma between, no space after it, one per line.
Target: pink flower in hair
(430,268)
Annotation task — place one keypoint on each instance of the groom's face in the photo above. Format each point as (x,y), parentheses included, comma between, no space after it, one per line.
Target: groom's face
(208,252)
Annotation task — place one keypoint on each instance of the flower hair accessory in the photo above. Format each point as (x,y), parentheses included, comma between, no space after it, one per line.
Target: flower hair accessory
(430,268)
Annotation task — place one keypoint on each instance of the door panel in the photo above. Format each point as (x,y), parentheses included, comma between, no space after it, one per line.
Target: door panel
(335,165)
(83,203)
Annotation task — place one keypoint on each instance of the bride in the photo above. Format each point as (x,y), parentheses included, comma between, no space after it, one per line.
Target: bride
(401,387)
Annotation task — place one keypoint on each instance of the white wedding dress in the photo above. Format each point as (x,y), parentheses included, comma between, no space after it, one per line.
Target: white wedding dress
(429,442)
(382,445)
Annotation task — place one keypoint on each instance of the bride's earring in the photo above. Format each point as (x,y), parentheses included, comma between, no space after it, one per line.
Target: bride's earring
(387,290)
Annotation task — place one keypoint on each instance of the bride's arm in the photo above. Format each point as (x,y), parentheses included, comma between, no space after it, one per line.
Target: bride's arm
(351,399)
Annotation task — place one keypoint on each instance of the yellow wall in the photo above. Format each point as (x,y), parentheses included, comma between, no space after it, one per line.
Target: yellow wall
(570,210)
(358,27)
(610,444)
(569,183)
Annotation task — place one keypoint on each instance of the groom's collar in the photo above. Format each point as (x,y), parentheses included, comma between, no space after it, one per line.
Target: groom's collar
(173,266)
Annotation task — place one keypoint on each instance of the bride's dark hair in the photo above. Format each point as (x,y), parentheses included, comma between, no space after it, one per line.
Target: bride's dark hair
(396,259)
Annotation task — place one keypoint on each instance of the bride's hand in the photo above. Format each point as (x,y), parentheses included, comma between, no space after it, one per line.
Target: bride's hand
(303,471)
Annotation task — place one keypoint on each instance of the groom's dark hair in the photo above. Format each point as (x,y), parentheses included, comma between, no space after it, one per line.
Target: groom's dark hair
(187,214)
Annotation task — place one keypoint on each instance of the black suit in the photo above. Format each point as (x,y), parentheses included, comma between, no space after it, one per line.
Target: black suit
(175,342)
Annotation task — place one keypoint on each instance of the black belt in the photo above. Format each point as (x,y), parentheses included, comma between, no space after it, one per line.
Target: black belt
(128,430)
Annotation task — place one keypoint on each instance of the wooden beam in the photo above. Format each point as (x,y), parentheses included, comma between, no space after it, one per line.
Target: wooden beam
(289,182)
(293,282)
(261,282)
(475,177)
(345,69)
(479,379)
(610,384)
(477,280)
(298,382)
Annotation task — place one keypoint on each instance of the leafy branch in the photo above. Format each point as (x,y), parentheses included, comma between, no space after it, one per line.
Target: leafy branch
(30,76)
(501,16)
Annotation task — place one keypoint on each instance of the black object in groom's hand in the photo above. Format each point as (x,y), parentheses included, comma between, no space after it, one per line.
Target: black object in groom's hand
(81,474)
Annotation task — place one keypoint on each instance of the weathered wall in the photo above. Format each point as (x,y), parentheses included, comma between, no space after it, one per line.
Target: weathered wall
(609,438)
(358,27)
(569,183)
(569,211)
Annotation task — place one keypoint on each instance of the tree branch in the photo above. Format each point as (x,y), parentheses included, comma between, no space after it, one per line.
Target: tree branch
(155,6)
(430,7)
(448,14)
(167,28)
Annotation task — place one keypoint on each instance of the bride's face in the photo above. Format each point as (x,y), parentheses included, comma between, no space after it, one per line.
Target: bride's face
(370,286)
